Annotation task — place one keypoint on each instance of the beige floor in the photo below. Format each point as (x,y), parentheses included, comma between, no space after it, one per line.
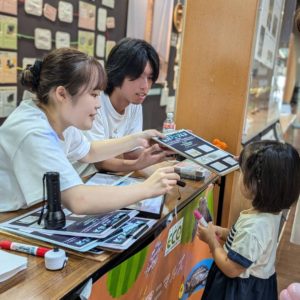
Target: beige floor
(288,253)
(295,235)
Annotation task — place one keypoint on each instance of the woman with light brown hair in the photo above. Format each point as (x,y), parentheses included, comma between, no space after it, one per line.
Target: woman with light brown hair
(43,135)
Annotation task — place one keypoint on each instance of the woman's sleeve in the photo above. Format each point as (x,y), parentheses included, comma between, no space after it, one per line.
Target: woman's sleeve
(39,153)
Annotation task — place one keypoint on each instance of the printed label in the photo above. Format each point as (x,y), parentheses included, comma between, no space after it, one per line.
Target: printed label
(174,236)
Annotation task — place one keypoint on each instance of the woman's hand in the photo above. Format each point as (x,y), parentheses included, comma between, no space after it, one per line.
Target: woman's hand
(161,181)
(150,156)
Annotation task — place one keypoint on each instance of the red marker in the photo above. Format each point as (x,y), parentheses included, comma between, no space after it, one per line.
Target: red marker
(200,218)
(33,250)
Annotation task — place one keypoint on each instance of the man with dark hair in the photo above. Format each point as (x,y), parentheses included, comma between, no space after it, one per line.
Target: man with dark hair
(132,67)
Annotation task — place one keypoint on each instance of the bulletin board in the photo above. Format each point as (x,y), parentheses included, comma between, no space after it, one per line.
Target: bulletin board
(25,24)
(20,20)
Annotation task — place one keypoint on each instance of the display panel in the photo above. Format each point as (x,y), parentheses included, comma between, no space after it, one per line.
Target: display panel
(268,75)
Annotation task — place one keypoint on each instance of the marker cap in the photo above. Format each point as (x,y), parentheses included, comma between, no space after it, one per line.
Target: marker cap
(197,214)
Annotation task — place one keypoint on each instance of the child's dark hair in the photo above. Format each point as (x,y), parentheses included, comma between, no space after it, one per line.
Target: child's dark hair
(66,67)
(128,58)
(271,172)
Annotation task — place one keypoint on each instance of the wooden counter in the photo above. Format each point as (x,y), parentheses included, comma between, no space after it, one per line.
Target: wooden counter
(36,282)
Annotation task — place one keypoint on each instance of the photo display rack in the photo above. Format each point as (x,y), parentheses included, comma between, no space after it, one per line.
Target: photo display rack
(199,151)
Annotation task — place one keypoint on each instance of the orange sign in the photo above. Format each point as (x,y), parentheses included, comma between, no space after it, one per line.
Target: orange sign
(174,266)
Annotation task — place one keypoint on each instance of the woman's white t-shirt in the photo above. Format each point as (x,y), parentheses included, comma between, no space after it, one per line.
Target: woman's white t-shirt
(29,147)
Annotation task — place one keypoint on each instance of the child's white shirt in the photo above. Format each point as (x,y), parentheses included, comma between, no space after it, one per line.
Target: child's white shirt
(252,243)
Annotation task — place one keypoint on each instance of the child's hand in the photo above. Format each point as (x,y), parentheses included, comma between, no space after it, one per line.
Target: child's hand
(205,234)
(221,232)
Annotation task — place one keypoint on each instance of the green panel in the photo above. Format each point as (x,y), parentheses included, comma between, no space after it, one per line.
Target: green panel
(121,278)
(210,202)
(188,222)
(189,219)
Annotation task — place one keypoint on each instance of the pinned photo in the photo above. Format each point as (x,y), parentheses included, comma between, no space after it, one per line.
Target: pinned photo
(65,12)
(42,39)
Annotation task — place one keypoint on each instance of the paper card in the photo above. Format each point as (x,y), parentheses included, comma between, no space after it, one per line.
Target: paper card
(101,19)
(65,12)
(8,32)
(11,264)
(176,77)
(86,42)
(8,100)
(109,46)
(9,6)
(101,61)
(100,45)
(93,226)
(50,12)
(110,22)
(62,39)
(28,61)
(34,7)
(8,67)
(80,244)
(109,3)
(174,37)
(42,38)
(87,15)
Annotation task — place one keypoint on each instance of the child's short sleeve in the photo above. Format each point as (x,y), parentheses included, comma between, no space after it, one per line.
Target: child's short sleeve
(244,249)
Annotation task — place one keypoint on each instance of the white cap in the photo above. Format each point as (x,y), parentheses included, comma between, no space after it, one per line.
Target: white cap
(55,259)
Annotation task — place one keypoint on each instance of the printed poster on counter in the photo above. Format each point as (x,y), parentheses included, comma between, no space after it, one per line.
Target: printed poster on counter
(174,266)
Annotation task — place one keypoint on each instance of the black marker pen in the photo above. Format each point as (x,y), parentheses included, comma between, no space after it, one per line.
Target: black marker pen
(181,183)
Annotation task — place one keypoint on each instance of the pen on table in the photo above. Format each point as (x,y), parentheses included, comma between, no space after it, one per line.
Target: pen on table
(29,249)
(181,183)
(122,179)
